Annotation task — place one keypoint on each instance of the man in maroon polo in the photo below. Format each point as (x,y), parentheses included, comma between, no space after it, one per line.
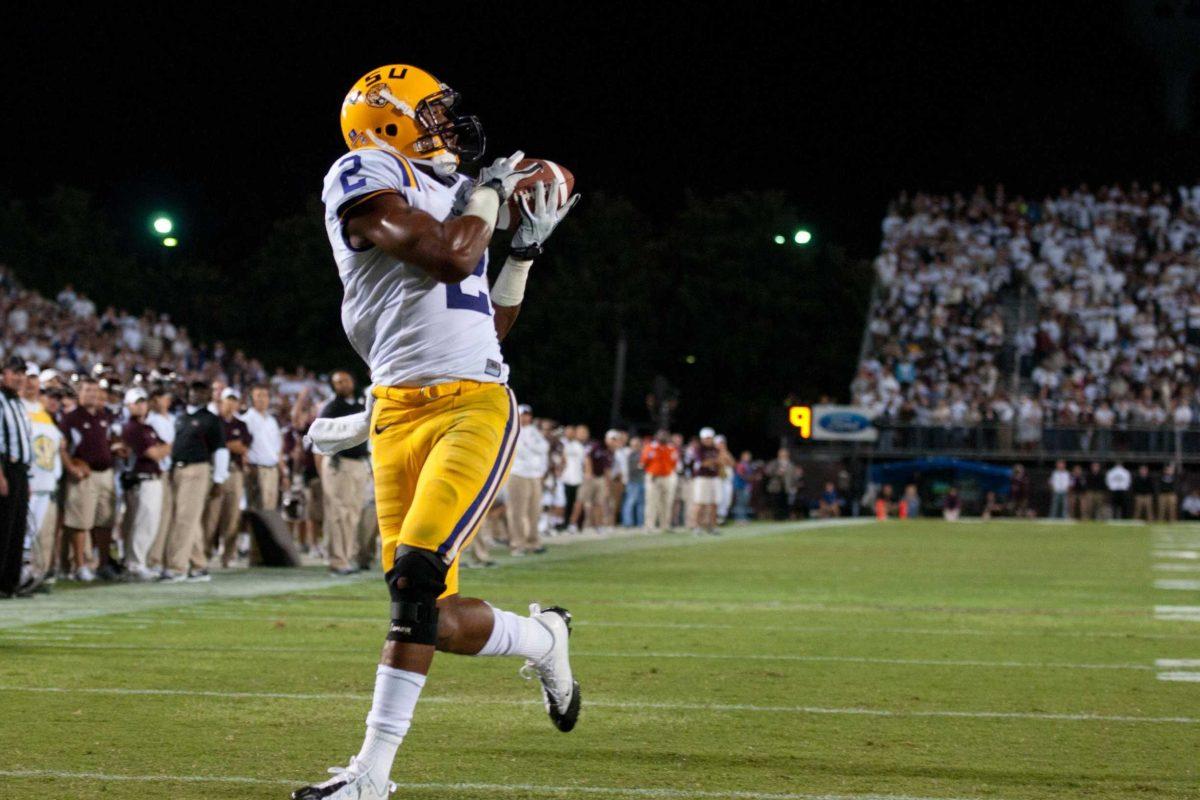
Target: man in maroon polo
(143,486)
(91,504)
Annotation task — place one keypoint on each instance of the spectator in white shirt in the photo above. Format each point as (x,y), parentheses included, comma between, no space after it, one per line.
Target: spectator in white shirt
(163,422)
(1060,485)
(1118,481)
(265,456)
(531,462)
(574,451)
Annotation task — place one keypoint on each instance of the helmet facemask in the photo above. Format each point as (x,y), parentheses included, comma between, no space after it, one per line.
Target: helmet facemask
(459,135)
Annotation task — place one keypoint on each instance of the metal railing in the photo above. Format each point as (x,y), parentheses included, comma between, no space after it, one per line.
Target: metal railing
(1155,443)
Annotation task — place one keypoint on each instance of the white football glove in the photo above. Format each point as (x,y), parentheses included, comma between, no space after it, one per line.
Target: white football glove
(503,175)
(539,218)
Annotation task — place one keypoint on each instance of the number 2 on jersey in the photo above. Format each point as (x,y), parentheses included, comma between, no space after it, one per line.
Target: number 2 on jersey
(355,163)
(457,298)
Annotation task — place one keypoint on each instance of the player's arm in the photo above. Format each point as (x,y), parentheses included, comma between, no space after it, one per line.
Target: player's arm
(449,251)
(539,217)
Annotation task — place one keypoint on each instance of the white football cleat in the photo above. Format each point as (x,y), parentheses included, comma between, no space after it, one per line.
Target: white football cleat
(353,782)
(560,690)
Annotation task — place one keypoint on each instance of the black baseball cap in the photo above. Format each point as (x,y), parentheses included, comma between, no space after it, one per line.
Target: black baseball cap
(15,363)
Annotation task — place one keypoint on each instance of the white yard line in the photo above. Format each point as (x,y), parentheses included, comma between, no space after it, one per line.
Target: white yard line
(630,705)
(1177,567)
(921,662)
(1180,677)
(1186,555)
(1177,609)
(1177,663)
(1178,585)
(374,621)
(503,788)
(352,655)
(710,606)
(119,599)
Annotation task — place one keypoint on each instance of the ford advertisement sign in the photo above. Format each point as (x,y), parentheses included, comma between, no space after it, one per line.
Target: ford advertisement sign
(844,423)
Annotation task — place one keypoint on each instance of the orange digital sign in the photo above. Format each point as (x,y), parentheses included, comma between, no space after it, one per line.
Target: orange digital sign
(801,419)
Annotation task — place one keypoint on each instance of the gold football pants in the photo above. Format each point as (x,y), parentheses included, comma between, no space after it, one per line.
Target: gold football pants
(440,455)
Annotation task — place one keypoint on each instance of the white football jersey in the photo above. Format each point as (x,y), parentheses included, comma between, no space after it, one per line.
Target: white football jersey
(410,329)
(46,468)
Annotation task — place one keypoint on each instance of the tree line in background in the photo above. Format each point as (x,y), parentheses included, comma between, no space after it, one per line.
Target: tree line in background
(716,321)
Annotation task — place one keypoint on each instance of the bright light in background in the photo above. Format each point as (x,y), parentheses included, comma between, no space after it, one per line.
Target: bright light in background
(779,239)
(170,241)
(163,225)
(802,237)
(690,359)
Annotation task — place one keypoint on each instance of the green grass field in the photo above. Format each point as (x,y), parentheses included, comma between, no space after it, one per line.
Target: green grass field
(916,660)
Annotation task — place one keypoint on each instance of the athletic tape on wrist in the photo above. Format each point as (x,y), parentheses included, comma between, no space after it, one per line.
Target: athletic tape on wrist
(484,203)
(509,288)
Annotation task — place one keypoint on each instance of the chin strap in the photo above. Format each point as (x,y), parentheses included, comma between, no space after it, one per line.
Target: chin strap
(443,164)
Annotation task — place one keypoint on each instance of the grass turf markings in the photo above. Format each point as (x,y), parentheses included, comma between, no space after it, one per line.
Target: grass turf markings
(506,788)
(633,705)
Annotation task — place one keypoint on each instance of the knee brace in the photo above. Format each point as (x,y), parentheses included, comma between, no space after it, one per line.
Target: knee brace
(415,581)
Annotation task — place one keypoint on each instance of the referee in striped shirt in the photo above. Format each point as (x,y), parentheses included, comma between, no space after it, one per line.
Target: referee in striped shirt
(16,454)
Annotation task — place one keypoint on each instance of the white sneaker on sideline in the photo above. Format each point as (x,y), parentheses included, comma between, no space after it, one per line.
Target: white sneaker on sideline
(84,575)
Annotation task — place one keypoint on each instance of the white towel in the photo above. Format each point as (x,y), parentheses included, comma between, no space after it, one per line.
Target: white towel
(331,435)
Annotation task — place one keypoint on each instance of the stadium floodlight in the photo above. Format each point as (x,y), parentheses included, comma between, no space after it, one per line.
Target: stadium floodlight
(779,239)
(802,237)
(170,241)
(163,225)
(690,359)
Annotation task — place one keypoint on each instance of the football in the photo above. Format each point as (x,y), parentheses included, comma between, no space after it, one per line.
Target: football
(510,212)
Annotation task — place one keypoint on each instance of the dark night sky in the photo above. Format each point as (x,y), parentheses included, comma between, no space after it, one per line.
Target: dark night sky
(229,118)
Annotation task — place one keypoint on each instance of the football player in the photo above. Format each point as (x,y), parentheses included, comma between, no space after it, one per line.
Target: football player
(410,235)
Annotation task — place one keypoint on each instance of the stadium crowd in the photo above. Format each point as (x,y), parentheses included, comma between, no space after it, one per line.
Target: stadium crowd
(1083,492)
(142,451)
(1110,279)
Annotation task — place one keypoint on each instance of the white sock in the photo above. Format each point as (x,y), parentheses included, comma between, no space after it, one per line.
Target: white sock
(513,635)
(396,693)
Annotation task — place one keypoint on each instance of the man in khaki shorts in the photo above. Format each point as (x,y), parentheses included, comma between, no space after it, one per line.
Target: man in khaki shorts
(265,456)
(143,484)
(224,508)
(91,499)
(706,481)
(593,492)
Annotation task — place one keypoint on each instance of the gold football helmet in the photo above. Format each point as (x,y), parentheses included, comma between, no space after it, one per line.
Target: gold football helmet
(405,109)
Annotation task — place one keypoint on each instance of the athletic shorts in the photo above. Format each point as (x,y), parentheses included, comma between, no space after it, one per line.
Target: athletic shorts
(91,502)
(706,491)
(439,455)
(592,490)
